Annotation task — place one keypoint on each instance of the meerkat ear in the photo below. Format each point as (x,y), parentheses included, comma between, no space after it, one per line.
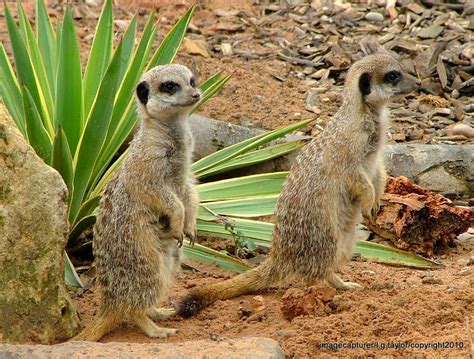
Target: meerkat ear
(364,83)
(142,92)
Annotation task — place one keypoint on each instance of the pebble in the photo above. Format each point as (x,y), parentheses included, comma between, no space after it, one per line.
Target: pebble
(431,280)
(461,129)
(228,325)
(471,261)
(286,333)
(374,16)
(463,272)
(399,302)
(463,262)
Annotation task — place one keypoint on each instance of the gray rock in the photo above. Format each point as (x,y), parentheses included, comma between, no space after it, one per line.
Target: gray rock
(243,348)
(374,16)
(439,168)
(34,304)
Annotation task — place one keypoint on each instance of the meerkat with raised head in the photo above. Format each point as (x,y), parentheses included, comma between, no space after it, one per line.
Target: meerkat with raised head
(147,207)
(334,179)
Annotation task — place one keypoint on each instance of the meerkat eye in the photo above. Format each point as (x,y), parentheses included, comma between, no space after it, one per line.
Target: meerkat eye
(169,87)
(192,82)
(393,77)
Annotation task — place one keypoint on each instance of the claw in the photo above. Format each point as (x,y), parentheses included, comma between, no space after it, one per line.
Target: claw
(191,237)
(179,240)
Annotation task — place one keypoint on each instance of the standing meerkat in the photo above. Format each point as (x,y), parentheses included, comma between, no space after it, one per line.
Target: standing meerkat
(334,179)
(147,207)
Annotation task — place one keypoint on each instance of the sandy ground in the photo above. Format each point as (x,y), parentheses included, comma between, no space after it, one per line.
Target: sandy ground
(393,308)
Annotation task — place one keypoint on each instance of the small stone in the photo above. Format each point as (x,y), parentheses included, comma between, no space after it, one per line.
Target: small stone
(374,16)
(463,262)
(461,129)
(463,272)
(455,94)
(228,325)
(471,261)
(226,49)
(286,333)
(431,32)
(121,25)
(431,280)
(426,275)
(399,302)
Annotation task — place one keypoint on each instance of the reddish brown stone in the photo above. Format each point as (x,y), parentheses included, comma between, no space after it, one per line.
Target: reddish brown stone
(310,301)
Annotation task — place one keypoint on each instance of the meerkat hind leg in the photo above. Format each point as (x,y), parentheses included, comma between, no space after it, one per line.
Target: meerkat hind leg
(160,313)
(151,329)
(338,283)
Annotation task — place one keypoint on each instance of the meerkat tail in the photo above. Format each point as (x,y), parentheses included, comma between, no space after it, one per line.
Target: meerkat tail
(253,280)
(103,324)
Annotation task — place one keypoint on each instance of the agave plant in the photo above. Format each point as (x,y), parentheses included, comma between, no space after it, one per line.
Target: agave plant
(75,119)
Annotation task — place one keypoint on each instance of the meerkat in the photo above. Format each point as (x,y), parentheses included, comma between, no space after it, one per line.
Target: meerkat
(147,207)
(334,179)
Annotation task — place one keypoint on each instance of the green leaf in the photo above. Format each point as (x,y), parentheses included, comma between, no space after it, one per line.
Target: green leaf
(40,73)
(38,137)
(168,48)
(260,232)
(211,89)
(99,187)
(69,84)
(247,207)
(62,159)
(88,207)
(388,255)
(128,45)
(24,67)
(70,275)
(211,81)
(99,56)
(95,131)
(124,116)
(81,226)
(252,158)
(230,152)
(10,92)
(46,42)
(242,187)
(207,255)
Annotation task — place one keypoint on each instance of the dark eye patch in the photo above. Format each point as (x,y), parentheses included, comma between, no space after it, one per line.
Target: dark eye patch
(192,82)
(393,77)
(169,87)
(143,92)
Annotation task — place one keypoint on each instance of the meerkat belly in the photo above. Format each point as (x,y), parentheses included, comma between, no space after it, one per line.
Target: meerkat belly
(131,268)
(304,231)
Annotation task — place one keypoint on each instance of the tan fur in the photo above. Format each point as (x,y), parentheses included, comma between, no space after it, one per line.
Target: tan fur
(147,207)
(335,177)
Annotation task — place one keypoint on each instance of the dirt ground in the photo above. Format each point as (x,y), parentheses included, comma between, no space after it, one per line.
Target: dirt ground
(393,308)
(396,306)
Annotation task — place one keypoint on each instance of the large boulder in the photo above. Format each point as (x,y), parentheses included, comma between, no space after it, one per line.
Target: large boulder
(34,304)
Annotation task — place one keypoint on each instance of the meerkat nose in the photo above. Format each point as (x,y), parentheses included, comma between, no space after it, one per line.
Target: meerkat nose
(196,95)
